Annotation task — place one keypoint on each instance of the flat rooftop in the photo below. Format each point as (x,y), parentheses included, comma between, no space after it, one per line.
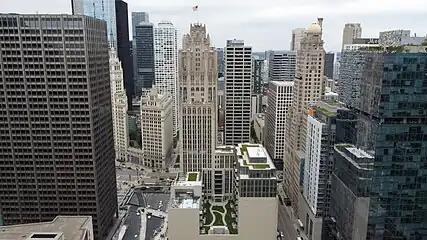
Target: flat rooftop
(256,152)
(254,156)
(359,153)
(71,227)
(283,83)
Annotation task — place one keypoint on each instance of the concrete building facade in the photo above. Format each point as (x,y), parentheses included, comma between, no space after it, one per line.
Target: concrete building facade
(238,92)
(308,87)
(281,66)
(350,32)
(254,191)
(56,129)
(62,227)
(157,129)
(166,64)
(280,96)
(119,107)
(198,72)
(315,199)
(297,35)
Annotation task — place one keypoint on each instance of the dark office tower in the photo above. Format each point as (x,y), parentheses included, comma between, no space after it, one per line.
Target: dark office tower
(56,132)
(328,71)
(123,48)
(379,183)
(144,56)
(220,52)
(257,81)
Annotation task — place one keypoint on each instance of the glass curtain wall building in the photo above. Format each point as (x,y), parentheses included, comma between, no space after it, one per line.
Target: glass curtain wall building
(391,129)
(100,9)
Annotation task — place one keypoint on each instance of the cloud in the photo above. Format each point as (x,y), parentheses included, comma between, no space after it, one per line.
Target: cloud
(265,24)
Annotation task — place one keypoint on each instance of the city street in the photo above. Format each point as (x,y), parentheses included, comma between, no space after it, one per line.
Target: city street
(285,224)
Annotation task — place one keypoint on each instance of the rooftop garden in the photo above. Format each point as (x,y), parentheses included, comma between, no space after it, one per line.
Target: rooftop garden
(256,165)
(244,147)
(219,209)
(218,219)
(327,112)
(219,216)
(229,220)
(343,147)
(192,177)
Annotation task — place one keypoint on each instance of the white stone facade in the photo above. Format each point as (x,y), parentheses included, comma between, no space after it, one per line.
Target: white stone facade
(198,70)
(119,107)
(166,64)
(157,129)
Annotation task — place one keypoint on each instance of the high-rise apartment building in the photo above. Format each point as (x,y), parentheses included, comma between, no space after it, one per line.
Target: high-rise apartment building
(198,71)
(56,131)
(157,129)
(350,32)
(238,92)
(328,71)
(166,64)
(314,201)
(119,107)
(378,183)
(307,89)
(297,35)
(279,97)
(123,48)
(100,9)
(144,57)
(281,66)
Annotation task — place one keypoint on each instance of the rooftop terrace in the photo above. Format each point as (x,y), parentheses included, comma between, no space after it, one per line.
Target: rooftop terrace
(254,156)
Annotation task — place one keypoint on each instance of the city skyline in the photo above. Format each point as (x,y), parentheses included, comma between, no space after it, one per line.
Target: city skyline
(250,21)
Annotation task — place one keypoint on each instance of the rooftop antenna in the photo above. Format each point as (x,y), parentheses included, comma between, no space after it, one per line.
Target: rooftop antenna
(94,11)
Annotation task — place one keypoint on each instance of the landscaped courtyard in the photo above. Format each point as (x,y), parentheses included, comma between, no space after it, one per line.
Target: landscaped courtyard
(219,215)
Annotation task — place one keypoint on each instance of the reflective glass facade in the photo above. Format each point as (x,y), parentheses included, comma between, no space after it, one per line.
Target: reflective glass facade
(100,9)
(392,125)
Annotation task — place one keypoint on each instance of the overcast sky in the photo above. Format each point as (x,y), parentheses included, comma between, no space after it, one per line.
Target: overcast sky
(265,24)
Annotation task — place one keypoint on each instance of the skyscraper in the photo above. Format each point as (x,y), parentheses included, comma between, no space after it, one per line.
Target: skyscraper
(238,92)
(57,148)
(350,32)
(144,56)
(157,129)
(378,184)
(119,107)
(279,97)
(198,72)
(314,201)
(329,65)
(123,48)
(281,65)
(297,35)
(307,89)
(100,9)
(166,64)
(137,18)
